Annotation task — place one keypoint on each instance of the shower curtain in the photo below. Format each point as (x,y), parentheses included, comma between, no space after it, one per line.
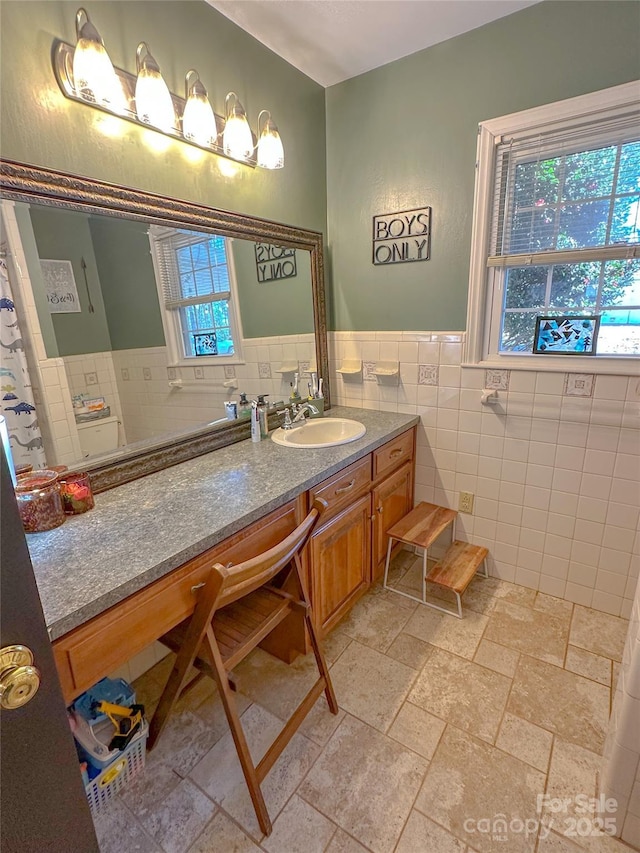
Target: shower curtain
(16,396)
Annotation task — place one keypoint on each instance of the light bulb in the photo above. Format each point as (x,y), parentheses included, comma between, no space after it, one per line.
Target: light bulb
(93,74)
(198,120)
(270,148)
(237,139)
(154,104)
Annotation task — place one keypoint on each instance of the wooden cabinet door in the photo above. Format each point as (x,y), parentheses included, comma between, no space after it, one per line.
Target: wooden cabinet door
(392,499)
(340,560)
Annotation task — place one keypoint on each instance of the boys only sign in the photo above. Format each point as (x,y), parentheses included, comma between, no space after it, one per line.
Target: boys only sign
(402,237)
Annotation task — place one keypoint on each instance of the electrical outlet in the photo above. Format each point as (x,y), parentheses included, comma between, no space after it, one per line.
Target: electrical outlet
(465,502)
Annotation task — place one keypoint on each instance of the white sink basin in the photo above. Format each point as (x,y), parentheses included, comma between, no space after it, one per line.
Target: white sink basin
(320,432)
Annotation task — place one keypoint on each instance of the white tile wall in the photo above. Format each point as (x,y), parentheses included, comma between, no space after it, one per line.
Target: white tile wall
(150,406)
(556,477)
(621,768)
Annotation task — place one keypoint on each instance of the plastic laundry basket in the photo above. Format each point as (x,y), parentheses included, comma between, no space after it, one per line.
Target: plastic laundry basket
(119,773)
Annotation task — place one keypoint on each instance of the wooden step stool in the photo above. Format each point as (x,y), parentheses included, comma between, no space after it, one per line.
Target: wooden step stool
(420,528)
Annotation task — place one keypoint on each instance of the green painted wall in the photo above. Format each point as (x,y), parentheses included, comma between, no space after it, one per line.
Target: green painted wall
(282,307)
(128,282)
(404,136)
(38,125)
(123,285)
(65,235)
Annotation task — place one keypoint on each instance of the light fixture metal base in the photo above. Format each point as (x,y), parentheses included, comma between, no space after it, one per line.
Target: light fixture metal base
(63,68)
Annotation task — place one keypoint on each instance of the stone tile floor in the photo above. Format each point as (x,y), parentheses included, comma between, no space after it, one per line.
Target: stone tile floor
(448,733)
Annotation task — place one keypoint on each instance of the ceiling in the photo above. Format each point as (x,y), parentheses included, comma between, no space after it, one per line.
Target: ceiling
(333,40)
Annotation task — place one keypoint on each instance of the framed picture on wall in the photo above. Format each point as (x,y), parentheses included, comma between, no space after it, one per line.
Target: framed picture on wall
(60,287)
(568,335)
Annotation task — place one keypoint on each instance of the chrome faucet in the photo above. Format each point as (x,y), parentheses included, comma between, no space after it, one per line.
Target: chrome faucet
(305,407)
(298,415)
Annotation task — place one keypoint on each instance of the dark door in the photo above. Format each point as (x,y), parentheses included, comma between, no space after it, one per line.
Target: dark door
(42,801)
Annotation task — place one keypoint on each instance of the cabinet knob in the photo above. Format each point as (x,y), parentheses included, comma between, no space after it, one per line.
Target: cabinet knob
(380,508)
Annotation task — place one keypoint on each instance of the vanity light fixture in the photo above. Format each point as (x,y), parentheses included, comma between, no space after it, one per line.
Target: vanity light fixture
(153,99)
(270,148)
(236,138)
(86,75)
(93,74)
(198,120)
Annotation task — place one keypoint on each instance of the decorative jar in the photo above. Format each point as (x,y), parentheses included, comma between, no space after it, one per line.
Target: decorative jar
(76,493)
(39,501)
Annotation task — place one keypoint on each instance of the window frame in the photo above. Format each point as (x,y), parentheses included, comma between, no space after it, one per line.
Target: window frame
(484,308)
(171,319)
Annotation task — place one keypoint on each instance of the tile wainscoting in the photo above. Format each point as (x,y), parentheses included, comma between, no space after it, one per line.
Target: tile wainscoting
(620,777)
(554,465)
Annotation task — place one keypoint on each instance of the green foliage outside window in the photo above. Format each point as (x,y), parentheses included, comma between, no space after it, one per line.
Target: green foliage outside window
(582,200)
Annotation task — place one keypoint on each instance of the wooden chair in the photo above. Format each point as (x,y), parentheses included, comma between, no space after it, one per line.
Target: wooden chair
(237,608)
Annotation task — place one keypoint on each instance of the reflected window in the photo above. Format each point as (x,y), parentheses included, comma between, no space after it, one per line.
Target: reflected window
(196,280)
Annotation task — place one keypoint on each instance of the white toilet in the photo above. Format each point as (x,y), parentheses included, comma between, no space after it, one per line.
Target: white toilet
(99,436)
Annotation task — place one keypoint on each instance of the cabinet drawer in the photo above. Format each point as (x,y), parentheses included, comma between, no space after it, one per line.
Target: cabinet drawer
(342,489)
(109,640)
(393,454)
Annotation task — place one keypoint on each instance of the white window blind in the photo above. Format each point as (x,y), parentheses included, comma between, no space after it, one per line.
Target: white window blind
(567,195)
(192,267)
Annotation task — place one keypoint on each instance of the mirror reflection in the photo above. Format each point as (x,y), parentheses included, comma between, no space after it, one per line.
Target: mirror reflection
(150,329)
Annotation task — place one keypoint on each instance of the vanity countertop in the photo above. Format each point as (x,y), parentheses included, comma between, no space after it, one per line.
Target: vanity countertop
(142,530)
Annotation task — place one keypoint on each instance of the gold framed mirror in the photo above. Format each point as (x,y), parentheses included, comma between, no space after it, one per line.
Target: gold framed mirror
(46,191)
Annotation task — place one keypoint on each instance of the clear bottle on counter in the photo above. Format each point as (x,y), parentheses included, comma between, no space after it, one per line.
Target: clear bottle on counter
(39,501)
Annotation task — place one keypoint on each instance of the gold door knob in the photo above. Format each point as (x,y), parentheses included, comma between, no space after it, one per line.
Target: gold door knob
(19,680)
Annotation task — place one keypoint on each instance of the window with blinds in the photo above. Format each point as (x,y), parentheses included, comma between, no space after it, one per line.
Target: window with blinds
(565,232)
(196,286)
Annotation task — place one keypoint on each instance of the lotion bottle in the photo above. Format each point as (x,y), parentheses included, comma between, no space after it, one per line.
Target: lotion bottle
(256,434)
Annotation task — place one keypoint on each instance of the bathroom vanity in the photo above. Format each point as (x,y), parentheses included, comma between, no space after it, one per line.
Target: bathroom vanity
(114,579)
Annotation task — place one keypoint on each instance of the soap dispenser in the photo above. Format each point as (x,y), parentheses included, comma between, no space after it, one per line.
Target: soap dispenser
(244,407)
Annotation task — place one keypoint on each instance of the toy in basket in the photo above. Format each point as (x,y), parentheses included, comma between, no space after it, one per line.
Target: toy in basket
(110,738)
